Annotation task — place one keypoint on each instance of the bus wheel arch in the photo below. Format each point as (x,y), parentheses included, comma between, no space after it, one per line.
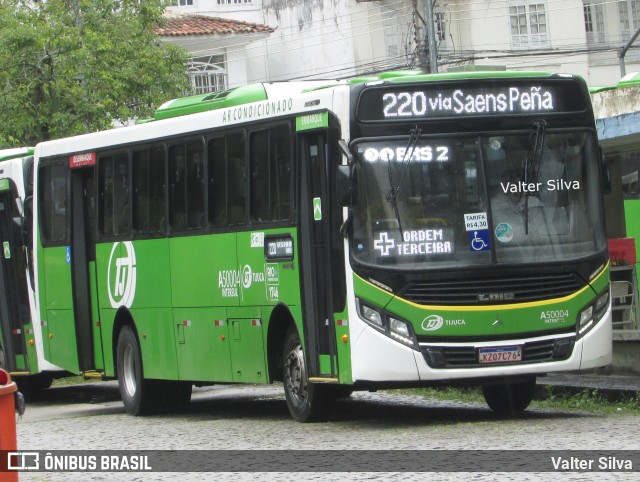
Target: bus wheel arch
(280,322)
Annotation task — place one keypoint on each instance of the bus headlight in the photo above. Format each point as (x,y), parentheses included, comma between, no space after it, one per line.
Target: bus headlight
(585,321)
(400,331)
(592,314)
(394,328)
(370,315)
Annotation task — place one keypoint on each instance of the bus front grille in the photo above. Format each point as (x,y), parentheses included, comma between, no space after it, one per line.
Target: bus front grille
(506,290)
(467,356)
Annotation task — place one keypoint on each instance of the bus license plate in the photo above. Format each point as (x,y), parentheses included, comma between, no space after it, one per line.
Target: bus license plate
(500,355)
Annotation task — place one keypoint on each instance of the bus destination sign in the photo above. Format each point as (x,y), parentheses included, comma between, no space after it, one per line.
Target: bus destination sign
(466,100)
(82,160)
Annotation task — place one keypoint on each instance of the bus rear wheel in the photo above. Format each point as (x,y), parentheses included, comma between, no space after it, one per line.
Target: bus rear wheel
(510,397)
(307,402)
(138,395)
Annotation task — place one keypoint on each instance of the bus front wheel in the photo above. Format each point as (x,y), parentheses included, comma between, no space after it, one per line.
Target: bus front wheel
(306,401)
(510,397)
(138,394)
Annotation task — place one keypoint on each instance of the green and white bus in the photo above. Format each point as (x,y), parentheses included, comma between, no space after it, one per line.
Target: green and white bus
(401,230)
(18,348)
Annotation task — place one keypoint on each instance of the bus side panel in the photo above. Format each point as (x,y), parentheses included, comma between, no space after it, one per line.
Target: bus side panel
(157,342)
(248,362)
(62,339)
(264,283)
(204,281)
(204,271)
(203,344)
(60,333)
(150,289)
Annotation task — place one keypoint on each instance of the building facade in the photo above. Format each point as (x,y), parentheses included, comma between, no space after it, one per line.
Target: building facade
(302,39)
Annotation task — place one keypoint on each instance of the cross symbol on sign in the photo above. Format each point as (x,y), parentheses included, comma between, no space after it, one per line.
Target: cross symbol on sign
(384,244)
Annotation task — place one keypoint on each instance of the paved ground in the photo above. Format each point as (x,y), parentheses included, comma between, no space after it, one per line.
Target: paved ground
(613,385)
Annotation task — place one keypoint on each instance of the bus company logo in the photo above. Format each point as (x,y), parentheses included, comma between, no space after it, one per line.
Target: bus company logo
(432,323)
(247,276)
(121,275)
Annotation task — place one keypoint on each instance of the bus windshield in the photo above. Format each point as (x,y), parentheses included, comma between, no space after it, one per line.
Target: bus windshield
(435,202)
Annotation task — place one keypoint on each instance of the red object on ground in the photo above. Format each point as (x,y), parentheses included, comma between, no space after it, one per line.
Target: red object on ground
(8,439)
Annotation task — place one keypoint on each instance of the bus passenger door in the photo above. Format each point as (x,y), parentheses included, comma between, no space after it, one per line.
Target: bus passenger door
(14,301)
(316,256)
(83,261)
(67,282)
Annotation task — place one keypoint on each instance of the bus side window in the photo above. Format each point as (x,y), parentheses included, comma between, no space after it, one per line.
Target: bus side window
(177,188)
(140,183)
(195,185)
(217,182)
(53,206)
(280,169)
(157,191)
(270,154)
(186,186)
(114,217)
(236,181)
(121,205)
(259,167)
(105,188)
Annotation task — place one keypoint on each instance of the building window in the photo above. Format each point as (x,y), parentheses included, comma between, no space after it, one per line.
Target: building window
(629,12)
(208,74)
(441,26)
(232,2)
(528,21)
(185,3)
(594,22)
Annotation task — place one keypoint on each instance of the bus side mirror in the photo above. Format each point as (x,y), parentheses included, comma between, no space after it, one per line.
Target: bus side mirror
(606,173)
(346,186)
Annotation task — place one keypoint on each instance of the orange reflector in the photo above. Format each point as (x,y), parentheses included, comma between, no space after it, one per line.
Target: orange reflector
(345,338)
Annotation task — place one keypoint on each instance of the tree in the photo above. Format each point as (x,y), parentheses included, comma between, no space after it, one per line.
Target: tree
(69,67)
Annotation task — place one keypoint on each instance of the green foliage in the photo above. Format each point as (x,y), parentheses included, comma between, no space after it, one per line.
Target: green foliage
(74,66)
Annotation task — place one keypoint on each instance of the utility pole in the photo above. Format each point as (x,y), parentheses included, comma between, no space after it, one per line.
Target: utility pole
(622,52)
(431,37)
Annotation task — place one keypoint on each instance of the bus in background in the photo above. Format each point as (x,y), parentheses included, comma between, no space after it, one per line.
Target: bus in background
(401,230)
(18,352)
(617,110)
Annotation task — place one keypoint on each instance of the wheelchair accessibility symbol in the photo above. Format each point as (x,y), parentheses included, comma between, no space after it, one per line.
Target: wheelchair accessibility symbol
(479,240)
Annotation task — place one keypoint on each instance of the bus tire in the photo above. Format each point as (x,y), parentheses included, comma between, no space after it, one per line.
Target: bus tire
(138,395)
(510,397)
(307,402)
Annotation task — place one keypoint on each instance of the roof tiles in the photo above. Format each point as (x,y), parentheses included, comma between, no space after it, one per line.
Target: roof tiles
(202,25)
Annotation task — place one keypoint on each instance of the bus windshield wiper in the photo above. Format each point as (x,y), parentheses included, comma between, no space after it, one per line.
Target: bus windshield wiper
(396,181)
(532,166)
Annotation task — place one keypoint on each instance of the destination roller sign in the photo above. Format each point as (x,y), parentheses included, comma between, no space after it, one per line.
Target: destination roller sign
(469,99)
